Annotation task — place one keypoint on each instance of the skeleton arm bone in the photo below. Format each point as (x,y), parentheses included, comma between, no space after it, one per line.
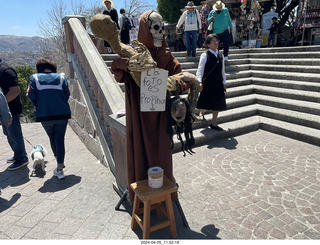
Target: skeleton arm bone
(140,58)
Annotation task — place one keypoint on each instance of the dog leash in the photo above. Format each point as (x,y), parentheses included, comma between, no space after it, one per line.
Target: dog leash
(28,141)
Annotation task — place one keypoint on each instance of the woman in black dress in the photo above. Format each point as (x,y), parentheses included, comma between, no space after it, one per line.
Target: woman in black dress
(212,77)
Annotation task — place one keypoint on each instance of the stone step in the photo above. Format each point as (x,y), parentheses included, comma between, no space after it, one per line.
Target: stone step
(298,76)
(291,130)
(284,55)
(290,116)
(231,129)
(292,61)
(312,48)
(232,51)
(300,126)
(192,68)
(280,83)
(304,95)
(226,116)
(271,53)
(287,115)
(283,68)
(285,103)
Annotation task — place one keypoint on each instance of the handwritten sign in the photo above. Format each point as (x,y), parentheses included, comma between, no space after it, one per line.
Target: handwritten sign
(153,90)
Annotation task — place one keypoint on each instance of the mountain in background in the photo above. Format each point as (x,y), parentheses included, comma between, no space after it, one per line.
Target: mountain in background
(9,43)
(19,50)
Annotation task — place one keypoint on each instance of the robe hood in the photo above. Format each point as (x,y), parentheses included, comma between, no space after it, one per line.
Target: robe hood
(144,35)
(161,55)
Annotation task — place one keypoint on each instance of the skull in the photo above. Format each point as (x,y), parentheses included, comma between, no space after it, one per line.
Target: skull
(156,27)
(178,111)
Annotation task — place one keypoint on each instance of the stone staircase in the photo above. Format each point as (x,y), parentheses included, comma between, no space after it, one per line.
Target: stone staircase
(273,89)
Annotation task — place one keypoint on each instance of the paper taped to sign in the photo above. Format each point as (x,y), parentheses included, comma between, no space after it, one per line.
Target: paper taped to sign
(153,90)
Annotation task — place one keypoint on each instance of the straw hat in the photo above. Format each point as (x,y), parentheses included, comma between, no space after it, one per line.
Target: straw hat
(218,6)
(103,3)
(190,5)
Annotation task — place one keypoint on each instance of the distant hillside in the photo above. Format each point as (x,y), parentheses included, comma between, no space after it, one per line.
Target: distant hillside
(9,43)
(18,50)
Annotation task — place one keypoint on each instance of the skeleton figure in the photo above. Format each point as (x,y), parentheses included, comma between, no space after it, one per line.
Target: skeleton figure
(180,117)
(156,27)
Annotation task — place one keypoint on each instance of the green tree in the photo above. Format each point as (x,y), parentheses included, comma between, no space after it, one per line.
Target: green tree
(170,10)
(24,73)
(285,8)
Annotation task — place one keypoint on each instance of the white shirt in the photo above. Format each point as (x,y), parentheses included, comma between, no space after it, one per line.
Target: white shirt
(202,63)
(193,24)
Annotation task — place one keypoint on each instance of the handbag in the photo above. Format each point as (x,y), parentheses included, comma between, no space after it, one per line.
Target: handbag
(210,26)
(205,78)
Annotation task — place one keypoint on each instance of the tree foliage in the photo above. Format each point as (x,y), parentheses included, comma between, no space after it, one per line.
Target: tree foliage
(285,8)
(24,73)
(53,30)
(170,10)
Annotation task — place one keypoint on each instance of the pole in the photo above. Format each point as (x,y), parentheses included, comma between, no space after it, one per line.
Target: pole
(304,21)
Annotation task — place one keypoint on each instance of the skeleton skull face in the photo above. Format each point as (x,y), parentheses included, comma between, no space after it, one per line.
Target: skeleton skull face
(156,27)
(178,111)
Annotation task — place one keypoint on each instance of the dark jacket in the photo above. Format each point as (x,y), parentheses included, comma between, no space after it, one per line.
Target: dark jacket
(49,93)
(8,79)
(273,28)
(113,14)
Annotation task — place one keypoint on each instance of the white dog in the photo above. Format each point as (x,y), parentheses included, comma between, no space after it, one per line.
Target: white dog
(37,155)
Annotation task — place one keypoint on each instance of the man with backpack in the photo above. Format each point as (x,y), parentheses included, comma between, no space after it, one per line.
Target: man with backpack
(125,27)
(11,90)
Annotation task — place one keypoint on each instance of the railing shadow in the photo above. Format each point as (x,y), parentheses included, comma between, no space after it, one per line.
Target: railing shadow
(5,204)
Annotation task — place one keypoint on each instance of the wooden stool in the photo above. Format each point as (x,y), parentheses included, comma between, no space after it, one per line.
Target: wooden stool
(152,198)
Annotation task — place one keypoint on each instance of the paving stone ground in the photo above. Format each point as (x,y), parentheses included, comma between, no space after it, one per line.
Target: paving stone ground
(254,186)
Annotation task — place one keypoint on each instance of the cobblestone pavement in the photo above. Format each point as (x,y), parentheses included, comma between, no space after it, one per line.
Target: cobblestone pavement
(254,186)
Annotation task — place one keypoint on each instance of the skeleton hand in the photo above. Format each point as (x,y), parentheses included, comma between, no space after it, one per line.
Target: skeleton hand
(142,60)
(187,77)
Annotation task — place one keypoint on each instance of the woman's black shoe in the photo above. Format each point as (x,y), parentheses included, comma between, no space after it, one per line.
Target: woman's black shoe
(215,127)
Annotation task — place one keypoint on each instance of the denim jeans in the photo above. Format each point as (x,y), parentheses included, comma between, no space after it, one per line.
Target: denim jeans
(191,38)
(56,130)
(271,39)
(15,138)
(224,37)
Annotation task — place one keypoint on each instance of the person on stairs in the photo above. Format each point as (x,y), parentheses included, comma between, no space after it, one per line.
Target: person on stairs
(192,27)
(221,25)
(112,12)
(212,78)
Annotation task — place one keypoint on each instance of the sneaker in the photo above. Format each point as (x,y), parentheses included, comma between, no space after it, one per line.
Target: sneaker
(226,58)
(11,160)
(18,164)
(59,173)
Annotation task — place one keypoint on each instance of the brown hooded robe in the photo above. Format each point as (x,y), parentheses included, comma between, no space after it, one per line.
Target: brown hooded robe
(148,143)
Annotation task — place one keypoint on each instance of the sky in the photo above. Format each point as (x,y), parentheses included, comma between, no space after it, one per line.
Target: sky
(21,17)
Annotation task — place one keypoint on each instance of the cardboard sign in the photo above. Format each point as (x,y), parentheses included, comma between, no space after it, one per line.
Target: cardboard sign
(153,90)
